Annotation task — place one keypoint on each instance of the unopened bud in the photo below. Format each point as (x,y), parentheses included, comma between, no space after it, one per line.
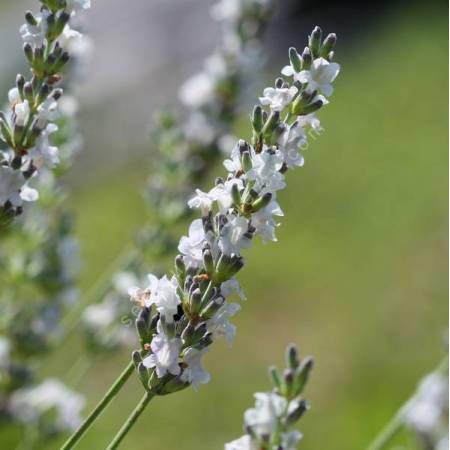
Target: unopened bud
(195,301)
(137,359)
(235,194)
(297,412)
(212,307)
(292,360)
(314,41)
(28,50)
(296,59)
(261,202)
(302,374)
(143,374)
(257,119)
(180,266)
(246,161)
(328,45)
(29,17)
(208,261)
(306,59)
(275,377)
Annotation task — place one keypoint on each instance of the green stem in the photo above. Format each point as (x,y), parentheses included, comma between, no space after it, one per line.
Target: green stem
(95,413)
(387,433)
(396,423)
(126,427)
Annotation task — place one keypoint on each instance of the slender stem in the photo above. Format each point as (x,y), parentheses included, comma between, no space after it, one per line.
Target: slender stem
(387,433)
(126,427)
(396,423)
(95,413)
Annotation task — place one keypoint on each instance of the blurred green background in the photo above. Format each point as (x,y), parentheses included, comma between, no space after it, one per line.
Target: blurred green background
(358,278)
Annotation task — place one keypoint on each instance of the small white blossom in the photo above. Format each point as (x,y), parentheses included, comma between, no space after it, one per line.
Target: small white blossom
(47,110)
(234,163)
(35,34)
(230,287)
(77,5)
(198,129)
(194,373)
(263,418)
(123,281)
(69,38)
(43,153)
(227,10)
(29,404)
(220,324)
(222,193)
(140,296)
(22,113)
(13,187)
(290,440)
(266,171)
(197,90)
(243,443)
(99,315)
(163,293)
(191,246)
(233,236)
(278,98)
(164,356)
(320,76)
(423,412)
(201,200)
(264,222)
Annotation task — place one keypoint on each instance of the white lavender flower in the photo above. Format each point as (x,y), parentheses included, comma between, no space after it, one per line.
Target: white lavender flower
(268,423)
(30,405)
(163,294)
(426,408)
(278,98)
(194,373)
(238,208)
(234,236)
(13,187)
(191,246)
(28,121)
(220,325)
(165,353)
(320,76)
(243,443)
(264,417)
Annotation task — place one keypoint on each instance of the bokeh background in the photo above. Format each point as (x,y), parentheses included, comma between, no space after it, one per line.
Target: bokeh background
(359,277)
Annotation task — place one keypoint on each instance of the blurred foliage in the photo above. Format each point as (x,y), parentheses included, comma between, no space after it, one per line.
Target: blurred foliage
(359,275)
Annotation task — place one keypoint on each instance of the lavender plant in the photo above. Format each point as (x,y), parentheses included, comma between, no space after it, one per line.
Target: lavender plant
(39,254)
(27,124)
(268,425)
(189,147)
(183,314)
(425,414)
(38,271)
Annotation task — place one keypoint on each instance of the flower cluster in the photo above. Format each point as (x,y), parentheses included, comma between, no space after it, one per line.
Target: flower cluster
(426,413)
(188,148)
(183,315)
(39,266)
(49,407)
(39,256)
(27,126)
(267,425)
